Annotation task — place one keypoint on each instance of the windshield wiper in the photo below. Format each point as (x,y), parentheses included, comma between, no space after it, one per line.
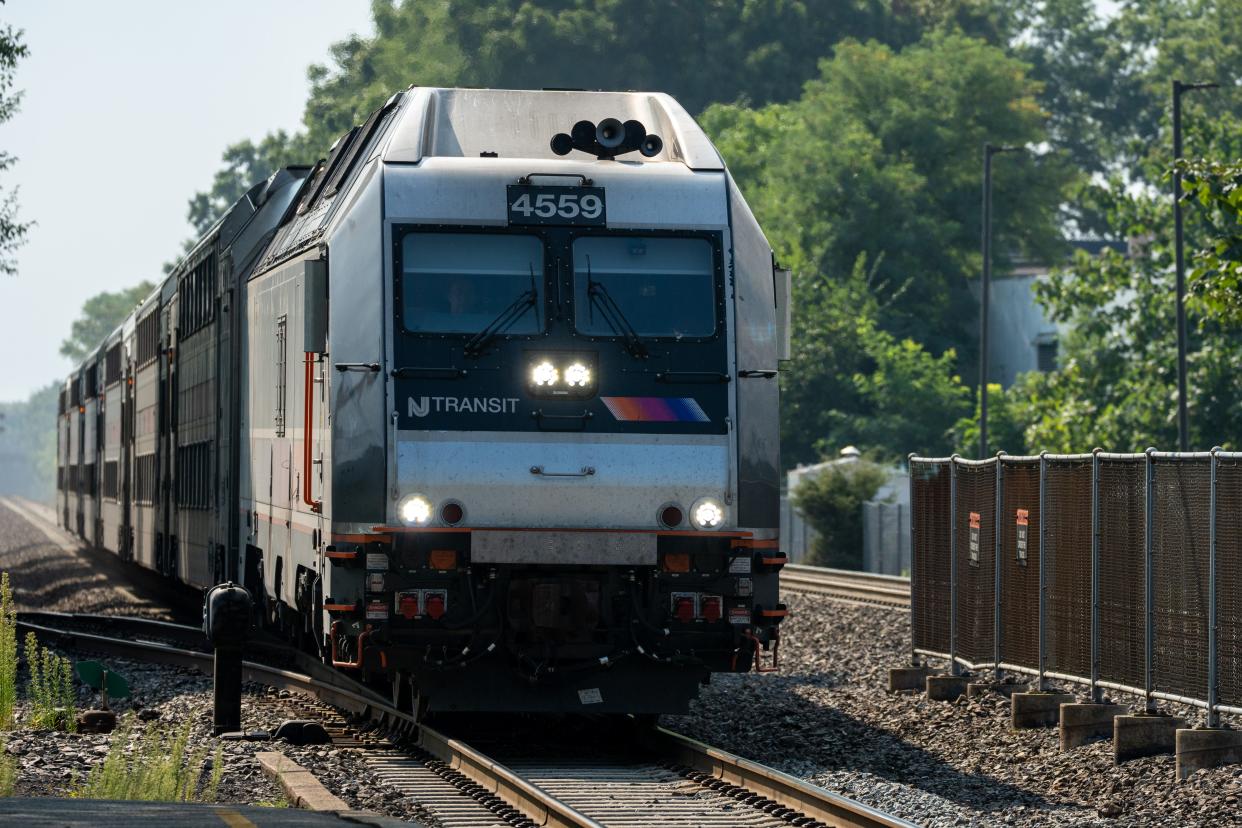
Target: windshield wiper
(614,316)
(528,299)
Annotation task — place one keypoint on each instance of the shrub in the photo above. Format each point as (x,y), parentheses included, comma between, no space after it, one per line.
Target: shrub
(156,768)
(8,653)
(53,703)
(831,502)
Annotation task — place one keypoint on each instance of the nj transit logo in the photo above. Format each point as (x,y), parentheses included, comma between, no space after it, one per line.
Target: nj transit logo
(422,406)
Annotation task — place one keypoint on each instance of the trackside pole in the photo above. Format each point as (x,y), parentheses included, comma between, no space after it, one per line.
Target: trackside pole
(1213,715)
(1041,681)
(996,569)
(1149,611)
(226,621)
(1097,694)
(954,669)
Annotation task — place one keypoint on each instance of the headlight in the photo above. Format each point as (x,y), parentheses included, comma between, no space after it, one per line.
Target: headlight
(578,375)
(707,513)
(415,510)
(544,373)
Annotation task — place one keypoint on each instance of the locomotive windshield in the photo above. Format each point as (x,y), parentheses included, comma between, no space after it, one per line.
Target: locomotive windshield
(662,287)
(464,282)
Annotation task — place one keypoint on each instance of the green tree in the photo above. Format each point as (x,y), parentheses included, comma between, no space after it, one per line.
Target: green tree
(700,51)
(1007,421)
(12,231)
(28,445)
(1217,277)
(831,501)
(100,316)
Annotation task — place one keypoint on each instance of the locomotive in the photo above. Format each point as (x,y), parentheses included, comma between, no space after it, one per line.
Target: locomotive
(482,407)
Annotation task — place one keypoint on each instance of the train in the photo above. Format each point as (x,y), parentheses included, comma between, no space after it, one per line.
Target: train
(482,407)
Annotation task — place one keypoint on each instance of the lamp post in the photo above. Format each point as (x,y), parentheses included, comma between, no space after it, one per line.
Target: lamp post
(985,293)
(1183,418)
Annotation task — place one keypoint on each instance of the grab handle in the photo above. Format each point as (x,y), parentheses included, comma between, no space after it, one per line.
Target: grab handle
(585,471)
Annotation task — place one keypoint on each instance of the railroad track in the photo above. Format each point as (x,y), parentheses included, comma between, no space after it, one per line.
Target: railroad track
(650,776)
(861,587)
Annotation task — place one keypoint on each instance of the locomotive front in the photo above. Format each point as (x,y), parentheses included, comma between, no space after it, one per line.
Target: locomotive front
(582,336)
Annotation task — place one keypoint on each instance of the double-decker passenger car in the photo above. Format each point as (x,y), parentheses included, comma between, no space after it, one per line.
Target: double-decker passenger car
(483,405)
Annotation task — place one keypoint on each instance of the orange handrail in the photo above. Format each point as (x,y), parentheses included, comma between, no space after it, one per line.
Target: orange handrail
(308,412)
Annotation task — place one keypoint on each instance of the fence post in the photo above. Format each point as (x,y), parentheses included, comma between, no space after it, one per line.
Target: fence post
(996,570)
(1097,694)
(914,579)
(1041,682)
(1213,715)
(1149,608)
(954,669)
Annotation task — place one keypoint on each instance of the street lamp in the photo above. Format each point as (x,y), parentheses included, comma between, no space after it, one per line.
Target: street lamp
(1183,419)
(988,151)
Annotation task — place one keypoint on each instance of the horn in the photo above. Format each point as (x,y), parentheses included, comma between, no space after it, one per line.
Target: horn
(562,144)
(651,146)
(583,135)
(610,133)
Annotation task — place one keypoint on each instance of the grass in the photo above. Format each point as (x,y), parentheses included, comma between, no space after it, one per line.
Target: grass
(8,653)
(158,768)
(53,703)
(8,771)
(272,803)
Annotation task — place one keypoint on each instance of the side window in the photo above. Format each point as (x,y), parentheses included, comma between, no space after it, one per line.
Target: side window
(282,340)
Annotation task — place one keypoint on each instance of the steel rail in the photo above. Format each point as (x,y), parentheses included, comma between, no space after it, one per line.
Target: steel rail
(536,804)
(866,587)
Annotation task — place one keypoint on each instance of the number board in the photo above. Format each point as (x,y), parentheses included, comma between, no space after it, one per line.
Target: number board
(533,204)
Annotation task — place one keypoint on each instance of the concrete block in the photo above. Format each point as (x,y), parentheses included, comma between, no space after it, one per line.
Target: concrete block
(1206,748)
(907,678)
(975,689)
(1083,723)
(1028,710)
(1144,734)
(301,787)
(946,688)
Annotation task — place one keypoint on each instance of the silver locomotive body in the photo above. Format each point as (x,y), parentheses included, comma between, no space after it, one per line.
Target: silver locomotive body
(485,405)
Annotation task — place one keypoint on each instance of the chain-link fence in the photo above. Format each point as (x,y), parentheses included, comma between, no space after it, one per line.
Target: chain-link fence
(1120,571)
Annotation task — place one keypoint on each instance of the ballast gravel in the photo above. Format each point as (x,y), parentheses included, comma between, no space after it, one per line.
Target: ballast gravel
(827,717)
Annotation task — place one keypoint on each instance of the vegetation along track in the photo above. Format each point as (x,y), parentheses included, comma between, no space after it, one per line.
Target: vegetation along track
(862,587)
(648,773)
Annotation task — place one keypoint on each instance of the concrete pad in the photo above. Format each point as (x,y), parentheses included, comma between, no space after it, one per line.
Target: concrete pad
(1206,748)
(907,678)
(300,785)
(1083,723)
(1028,710)
(946,688)
(975,689)
(1145,734)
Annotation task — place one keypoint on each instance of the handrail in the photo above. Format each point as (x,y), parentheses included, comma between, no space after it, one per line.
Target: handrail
(308,417)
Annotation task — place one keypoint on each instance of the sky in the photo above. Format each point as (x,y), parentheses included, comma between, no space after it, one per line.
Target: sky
(128,106)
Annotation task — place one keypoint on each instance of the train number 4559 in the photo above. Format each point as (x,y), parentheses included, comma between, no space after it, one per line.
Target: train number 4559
(530,204)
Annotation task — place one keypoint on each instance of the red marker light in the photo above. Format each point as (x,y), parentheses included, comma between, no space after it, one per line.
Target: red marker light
(435,605)
(683,610)
(709,609)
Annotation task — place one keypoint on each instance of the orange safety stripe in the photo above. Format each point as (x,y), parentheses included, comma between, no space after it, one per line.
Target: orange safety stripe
(341,556)
(340,607)
(775,613)
(757,543)
(355,538)
(695,533)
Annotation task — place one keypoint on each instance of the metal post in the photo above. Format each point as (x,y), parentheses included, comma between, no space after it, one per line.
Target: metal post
(985,299)
(1183,421)
(1213,715)
(996,572)
(914,575)
(1043,576)
(1097,694)
(1149,609)
(954,669)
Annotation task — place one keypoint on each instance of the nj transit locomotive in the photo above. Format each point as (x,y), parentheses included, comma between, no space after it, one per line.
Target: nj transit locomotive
(484,405)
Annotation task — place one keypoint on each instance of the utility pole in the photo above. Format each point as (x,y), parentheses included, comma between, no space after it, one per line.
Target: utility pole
(986,291)
(1183,417)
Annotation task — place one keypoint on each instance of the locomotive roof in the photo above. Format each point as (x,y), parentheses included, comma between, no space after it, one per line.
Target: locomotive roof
(465,123)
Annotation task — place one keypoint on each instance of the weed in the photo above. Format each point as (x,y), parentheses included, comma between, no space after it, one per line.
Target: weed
(8,771)
(8,653)
(272,803)
(156,768)
(50,689)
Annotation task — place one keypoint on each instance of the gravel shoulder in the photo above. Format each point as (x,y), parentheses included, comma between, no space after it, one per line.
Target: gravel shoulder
(827,717)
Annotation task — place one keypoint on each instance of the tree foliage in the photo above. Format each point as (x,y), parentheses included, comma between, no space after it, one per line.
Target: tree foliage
(1217,277)
(831,501)
(100,316)
(12,231)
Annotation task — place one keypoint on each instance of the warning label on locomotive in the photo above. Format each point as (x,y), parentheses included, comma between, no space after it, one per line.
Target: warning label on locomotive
(377,560)
(590,696)
(740,565)
(974,538)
